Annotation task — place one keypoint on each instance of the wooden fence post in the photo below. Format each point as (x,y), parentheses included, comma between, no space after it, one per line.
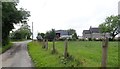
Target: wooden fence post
(104,52)
(46,44)
(43,46)
(65,50)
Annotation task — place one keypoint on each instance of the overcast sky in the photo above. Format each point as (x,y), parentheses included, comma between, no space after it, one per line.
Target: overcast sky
(65,14)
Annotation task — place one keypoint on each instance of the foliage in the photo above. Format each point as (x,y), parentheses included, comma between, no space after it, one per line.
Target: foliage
(111,25)
(23,32)
(5,48)
(84,54)
(39,37)
(43,35)
(71,31)
(50,35)
(11,15)
(74,36)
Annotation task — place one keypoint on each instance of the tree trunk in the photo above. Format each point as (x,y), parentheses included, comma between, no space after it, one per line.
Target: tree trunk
(53,51)
(113,37)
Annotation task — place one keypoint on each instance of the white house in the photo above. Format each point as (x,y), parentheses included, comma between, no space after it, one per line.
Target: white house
(94,33)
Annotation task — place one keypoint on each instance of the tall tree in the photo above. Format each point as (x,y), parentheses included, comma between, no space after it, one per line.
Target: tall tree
(111,25)
(51,35)
(11,15)
(24,32)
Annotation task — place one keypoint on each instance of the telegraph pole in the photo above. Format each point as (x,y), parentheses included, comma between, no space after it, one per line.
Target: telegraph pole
(119,8)
(32,30)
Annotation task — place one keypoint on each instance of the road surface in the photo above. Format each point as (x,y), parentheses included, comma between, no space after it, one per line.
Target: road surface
(17,56)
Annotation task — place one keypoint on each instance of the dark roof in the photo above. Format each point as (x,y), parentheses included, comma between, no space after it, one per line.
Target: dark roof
(62,32)
(86,31)
(94,30)
(91,30)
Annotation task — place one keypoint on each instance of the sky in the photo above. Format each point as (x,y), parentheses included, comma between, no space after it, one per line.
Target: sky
(66,14)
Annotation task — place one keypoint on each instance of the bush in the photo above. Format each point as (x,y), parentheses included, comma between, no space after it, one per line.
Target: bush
(5,48)
(89,39)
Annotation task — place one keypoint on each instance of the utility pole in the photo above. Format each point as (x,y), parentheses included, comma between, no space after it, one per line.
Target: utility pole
(119,8)
(32,30)
(0,24)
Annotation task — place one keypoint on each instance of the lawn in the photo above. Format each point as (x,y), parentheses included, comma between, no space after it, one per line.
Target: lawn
(82,54)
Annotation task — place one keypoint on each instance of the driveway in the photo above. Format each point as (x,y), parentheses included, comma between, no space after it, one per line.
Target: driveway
(17,56)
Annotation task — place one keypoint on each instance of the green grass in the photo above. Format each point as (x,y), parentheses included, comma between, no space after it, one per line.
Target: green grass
(5,48)
(83,53)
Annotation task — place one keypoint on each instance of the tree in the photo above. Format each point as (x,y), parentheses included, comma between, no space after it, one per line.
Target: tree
(50,35)
(74,36)
(39,37)
(23,32)
(11,15)
(71,31)
(111,25)
(42,35)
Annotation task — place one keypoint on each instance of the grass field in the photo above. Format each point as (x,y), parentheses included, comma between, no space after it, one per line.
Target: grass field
(83,54)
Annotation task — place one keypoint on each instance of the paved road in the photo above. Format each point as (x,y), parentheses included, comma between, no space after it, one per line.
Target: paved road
(17,56)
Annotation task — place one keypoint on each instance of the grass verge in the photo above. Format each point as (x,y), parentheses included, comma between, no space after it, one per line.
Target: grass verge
(5,48)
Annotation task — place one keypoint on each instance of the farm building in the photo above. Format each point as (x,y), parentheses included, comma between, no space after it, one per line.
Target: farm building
(94,33)
(63,34)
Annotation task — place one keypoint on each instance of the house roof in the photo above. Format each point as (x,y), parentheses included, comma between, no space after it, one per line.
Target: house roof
(94,30)
(86,31)
(91,30)
(62,32)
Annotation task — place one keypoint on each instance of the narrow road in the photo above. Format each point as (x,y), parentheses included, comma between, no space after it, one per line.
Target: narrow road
(17,56)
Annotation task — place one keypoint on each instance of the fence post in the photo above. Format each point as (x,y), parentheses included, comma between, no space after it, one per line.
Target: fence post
(46,43)
(104,52)
(43,43)
(65,50)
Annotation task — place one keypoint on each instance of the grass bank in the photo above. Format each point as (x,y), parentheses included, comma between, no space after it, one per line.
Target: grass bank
(5,48)
(83,54)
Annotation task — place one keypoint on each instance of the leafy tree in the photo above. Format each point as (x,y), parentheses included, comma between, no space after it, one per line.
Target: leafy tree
(39,37)
(11,15)
(42,34)
(50,35)
(23,32)
(71,31)
(111,25)
(74,36)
